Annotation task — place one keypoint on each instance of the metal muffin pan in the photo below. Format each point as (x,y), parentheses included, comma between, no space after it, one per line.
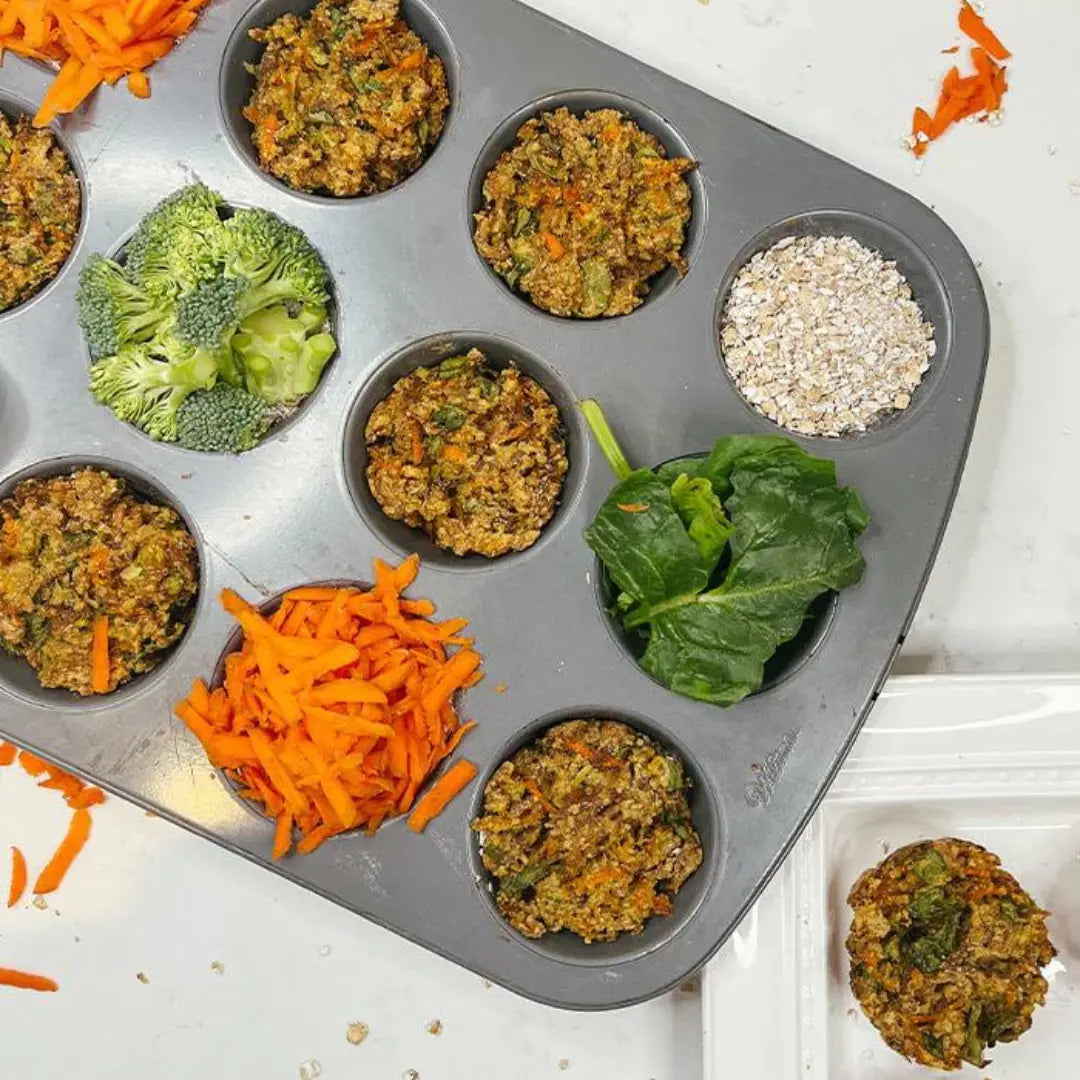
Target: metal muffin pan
(409,286)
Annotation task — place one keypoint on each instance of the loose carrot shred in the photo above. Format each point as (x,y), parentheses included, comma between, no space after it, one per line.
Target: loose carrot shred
(7,753)
(99,655)
(441,793)
(335,710)
(283,829)
(22,980)
(32,764)
(18,877)
(972,24)
(138,84)
(978,95)
(78,833)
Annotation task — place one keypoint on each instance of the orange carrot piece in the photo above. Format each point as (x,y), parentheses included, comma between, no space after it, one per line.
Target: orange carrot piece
(972,24)
(18,877)
(7,753)
(412,61)
(22,980)
(439,795)
(344,691)
(91,796)
(556,248)
(78,833)
(406,572)
(99,655)
(460,666)
(314,839)
(283,829)
(32,764)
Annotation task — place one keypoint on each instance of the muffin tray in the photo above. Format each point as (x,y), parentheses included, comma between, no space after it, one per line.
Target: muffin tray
(409,289)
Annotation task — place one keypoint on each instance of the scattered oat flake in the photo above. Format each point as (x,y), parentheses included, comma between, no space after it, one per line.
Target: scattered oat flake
(501,688)
(142,977)
(822,336)
(434,1027)
(410,1074)
(1074,187)
(564,1064)
(357,1032)
(217,967)
(310,1069)
(40,902)
(325,950)
(691,986)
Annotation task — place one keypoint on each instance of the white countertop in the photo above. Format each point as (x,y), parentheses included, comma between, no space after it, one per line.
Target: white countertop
(146,897)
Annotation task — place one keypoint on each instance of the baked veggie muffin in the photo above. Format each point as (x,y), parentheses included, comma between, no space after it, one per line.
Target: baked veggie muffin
(473,455)
(947,952)
(40,206)
(588,829)
(348,101)
(583,211)
(78,547)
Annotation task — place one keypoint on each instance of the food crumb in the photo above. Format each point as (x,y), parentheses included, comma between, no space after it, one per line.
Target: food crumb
(488,984)
(186,476)
(310,1069)
(501,688)
(217,967)
(142,977)
(40,903)
(357,1032)
(410,1074)
(564,1064)
(691,986)
(1074,187)
(434,1027)
(325,950)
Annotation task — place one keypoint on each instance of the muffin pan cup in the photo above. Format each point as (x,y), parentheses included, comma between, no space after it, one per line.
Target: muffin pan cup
(405,271)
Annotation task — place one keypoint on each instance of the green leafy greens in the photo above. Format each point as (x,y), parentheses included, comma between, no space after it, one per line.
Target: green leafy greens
(717,558)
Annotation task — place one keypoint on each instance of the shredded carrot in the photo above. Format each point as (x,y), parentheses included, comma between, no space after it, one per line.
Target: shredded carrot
(78,833)
(18,877)
(336,707)
(24,981)
(99,656)
(633,508)
(412,61)
(972,24)
(93,41)
(7,753)
(32,764)
(441,793)
(978,95)
(554,245)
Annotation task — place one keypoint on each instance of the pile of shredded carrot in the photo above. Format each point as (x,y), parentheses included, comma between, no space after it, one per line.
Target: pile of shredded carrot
(978,94)
(93,41)
(337,708)
(79,798)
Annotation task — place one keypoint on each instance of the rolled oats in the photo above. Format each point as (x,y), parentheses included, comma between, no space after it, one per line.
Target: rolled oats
(822,336)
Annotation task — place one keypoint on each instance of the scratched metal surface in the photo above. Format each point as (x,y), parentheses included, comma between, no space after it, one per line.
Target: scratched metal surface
(294,510)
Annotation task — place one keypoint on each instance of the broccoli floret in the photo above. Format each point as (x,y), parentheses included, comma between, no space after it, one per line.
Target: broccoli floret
(145,385)
(275,258)
(210,313)
(112,311)
(178,244)
(280,361)
(223,420)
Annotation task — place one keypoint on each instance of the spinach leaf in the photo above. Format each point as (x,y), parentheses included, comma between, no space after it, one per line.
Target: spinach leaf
(719,558)
(702,513)
(937,925)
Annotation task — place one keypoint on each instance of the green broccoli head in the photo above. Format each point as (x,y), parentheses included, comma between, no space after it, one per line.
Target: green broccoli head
(146,384)
(275,258)
(282,351)
(112,311)
(209,313)
(222,420)
(178,244)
